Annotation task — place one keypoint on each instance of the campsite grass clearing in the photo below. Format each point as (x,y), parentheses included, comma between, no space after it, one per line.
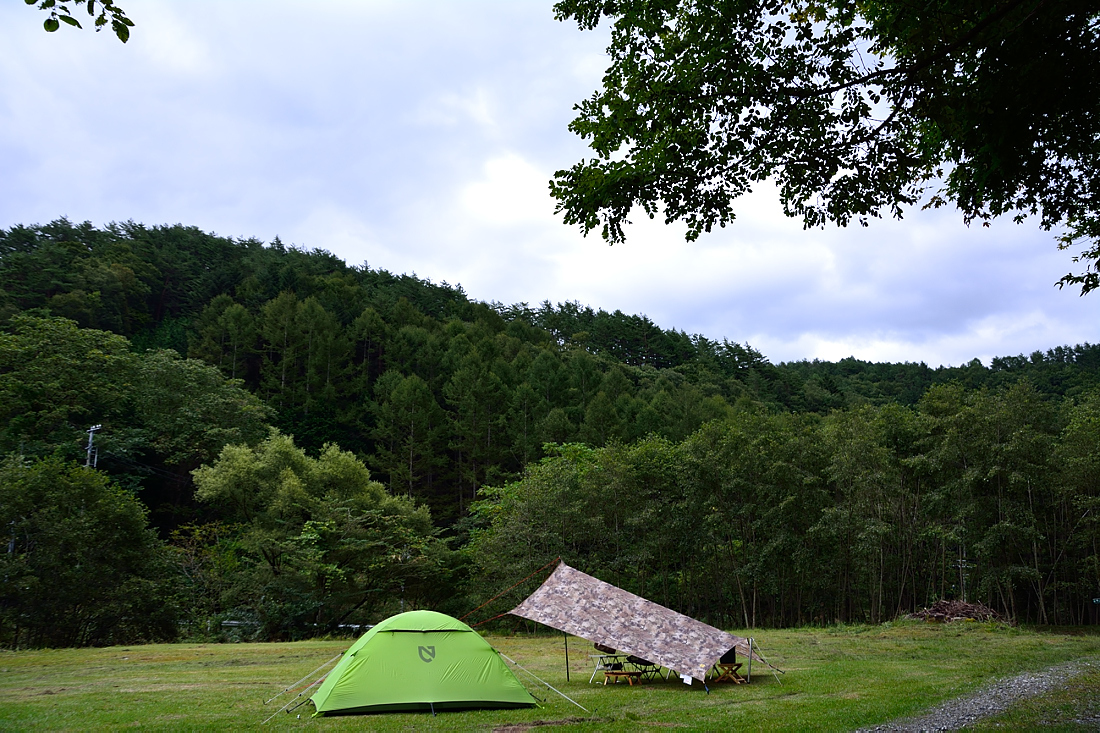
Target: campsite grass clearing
(838,678)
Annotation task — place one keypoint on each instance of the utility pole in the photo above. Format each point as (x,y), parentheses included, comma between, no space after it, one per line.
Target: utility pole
(963,565)
(93,455)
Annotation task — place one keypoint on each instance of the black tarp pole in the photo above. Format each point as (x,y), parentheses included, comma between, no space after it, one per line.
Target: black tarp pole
(566,655)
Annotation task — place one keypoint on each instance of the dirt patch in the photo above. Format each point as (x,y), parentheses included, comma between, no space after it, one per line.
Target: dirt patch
(650,724)
(520,727)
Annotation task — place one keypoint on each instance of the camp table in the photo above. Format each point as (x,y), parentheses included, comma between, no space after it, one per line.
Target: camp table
(605,662)
(616,674)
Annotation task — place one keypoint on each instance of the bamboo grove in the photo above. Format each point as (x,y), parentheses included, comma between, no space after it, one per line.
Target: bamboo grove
(405,444)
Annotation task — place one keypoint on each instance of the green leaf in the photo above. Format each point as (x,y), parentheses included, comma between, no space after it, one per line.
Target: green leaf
(51,25)
(30,2)
(91,7)
(70,20)
(121,30)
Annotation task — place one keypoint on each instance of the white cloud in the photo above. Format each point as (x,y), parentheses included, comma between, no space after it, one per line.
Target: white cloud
(451,109)
(511,191)
(167,40)
(995,335)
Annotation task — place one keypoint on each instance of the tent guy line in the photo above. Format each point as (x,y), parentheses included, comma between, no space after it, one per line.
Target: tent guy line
(295,698)
(288,688)
(544,682)
(506,590)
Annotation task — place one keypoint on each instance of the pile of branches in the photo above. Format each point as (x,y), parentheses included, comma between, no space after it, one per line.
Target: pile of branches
(948,611)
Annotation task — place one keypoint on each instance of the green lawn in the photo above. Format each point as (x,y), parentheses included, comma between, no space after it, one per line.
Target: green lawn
(836,679)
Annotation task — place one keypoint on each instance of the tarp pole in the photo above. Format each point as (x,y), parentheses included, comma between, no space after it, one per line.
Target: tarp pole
(748,677)
(566,655)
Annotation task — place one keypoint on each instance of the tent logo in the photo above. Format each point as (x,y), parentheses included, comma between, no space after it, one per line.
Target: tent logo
(427,653)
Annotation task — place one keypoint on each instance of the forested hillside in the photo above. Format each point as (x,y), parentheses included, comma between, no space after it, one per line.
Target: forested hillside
(770,493)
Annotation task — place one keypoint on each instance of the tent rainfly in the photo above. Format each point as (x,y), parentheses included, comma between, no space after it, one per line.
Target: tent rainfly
(578,604)
(419,661)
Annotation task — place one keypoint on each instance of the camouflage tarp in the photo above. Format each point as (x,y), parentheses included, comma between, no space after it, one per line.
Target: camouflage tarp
(578,604)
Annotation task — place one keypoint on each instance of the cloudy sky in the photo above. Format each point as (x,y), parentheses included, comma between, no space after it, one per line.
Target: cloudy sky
(419,136)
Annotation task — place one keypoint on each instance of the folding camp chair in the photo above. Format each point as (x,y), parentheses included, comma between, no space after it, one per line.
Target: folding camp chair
(607,660)
(648,669)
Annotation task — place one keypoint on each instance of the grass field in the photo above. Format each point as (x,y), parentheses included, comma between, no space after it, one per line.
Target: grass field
(836,679)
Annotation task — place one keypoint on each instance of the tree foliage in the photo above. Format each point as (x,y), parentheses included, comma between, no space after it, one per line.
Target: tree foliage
(861,515)
(61,11)
(81,566)
(160,415)
(852,108)
(319,543)
(693,471)
(441,395)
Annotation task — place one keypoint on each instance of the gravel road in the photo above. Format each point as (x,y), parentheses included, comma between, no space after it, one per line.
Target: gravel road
(992,699)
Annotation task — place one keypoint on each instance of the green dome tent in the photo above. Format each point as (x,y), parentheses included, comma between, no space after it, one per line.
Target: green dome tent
(419,660)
